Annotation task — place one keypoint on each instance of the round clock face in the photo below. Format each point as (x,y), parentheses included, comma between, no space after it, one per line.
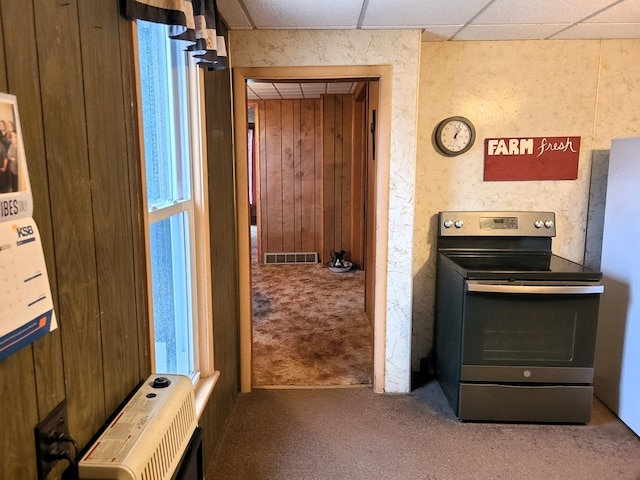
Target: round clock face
(454,135)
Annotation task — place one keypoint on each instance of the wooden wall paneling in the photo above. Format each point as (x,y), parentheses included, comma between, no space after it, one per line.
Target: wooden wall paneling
(59,61)
(318,172)
(18,409)
(224,256)
(108,164)
(309,112)
(290,161)
(133,176)
(260,151)
(288,174)
(272,180)
(328,176)
(338,176)
(296,186)
(23,81)
(19,415)
(346,174)
(357,184)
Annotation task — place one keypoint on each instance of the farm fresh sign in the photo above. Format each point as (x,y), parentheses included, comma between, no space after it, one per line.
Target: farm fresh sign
(532,158)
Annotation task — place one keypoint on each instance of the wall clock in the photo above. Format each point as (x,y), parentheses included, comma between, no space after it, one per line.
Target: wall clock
(454,135)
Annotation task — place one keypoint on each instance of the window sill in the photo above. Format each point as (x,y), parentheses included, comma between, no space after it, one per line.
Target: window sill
(203,391)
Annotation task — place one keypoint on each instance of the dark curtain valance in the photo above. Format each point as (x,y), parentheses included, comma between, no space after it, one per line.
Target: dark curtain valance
(196,21)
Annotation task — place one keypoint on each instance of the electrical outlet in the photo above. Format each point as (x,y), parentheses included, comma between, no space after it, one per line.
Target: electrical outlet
(46,432)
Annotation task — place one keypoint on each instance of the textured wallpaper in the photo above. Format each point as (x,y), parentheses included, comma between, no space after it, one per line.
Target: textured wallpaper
(518,89)
(400,49)
(507,89)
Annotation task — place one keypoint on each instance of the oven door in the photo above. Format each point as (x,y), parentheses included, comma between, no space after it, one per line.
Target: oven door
(529,332)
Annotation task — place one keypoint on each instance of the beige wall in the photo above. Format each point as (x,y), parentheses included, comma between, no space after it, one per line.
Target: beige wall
(399,49)
(589,89)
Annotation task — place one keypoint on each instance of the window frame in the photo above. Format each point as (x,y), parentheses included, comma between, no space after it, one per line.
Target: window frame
(196,207)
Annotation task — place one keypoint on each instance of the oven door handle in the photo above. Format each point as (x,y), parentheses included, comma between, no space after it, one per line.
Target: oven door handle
(486,287)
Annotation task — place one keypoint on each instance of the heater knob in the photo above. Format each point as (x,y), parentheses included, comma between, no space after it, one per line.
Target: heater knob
(538,223)
(448,224)
(548,224)
(161,382)
(459,223)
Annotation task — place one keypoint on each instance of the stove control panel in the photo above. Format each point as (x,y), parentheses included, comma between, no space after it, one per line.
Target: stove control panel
(520,224)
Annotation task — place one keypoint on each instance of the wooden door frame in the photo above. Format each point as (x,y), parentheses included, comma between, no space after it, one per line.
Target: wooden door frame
(383,73)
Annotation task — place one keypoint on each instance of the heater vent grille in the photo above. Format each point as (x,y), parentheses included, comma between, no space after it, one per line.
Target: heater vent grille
(148,437)
(291,257)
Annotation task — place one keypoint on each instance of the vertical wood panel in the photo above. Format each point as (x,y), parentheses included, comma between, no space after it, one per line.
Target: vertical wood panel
(18,414)
(319,177)
(18,409)
(357,185)
(134,178)
(110,198)
(287,178)
(22,69)
(337,131)
(347,173)
(290,169)
(328,175)
(338,173)
(273,179)
(57,37)
(223,257)
(297,175)
(308,196)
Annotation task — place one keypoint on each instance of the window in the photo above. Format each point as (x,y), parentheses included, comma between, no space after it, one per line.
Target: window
(176,203)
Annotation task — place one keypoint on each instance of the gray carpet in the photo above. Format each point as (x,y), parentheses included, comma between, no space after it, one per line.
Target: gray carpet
(353,433)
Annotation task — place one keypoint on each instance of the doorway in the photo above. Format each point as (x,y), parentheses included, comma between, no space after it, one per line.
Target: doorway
(308,143)
(378,216)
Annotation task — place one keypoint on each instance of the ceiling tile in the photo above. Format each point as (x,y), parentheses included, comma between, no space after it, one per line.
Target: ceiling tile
(625,12)
(340,88)
(279,14)
(539,11)
(233,15)
(417,13)
(438,33)
(508,32)
(599,30)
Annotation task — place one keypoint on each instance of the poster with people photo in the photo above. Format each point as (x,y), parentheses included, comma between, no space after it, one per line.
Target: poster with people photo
(15,191)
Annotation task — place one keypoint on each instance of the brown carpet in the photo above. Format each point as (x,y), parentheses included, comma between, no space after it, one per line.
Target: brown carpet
(309,327)
(355,434)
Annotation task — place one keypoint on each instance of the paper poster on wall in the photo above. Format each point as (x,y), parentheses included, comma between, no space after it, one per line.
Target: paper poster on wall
(532,158)
(26,306)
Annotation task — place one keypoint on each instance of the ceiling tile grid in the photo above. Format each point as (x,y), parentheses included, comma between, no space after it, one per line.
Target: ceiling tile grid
(445,20)
(450,20)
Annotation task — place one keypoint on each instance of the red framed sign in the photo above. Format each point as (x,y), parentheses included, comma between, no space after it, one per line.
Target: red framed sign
(532,158)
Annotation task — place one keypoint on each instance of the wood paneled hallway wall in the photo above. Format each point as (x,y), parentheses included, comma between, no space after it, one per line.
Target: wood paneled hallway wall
(70,64)
(310,176)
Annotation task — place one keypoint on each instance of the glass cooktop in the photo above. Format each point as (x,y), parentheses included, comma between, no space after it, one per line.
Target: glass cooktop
(521,265)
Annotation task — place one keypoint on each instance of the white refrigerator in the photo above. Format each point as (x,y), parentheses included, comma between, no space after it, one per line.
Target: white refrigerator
(617,363)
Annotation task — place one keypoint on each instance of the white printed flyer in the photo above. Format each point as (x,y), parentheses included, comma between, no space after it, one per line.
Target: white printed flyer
(26,306)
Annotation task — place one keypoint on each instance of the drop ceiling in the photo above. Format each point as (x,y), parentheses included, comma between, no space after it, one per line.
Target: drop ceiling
(444,20)
(439,20)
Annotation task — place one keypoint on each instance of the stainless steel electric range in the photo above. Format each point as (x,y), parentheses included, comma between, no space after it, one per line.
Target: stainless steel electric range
(515,325)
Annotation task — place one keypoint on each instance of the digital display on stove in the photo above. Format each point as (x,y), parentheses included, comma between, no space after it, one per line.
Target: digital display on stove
(498,223)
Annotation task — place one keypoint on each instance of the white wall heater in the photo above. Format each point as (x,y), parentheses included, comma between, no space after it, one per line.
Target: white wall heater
(147,438)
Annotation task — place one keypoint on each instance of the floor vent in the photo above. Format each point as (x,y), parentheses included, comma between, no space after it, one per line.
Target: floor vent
(294,257)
